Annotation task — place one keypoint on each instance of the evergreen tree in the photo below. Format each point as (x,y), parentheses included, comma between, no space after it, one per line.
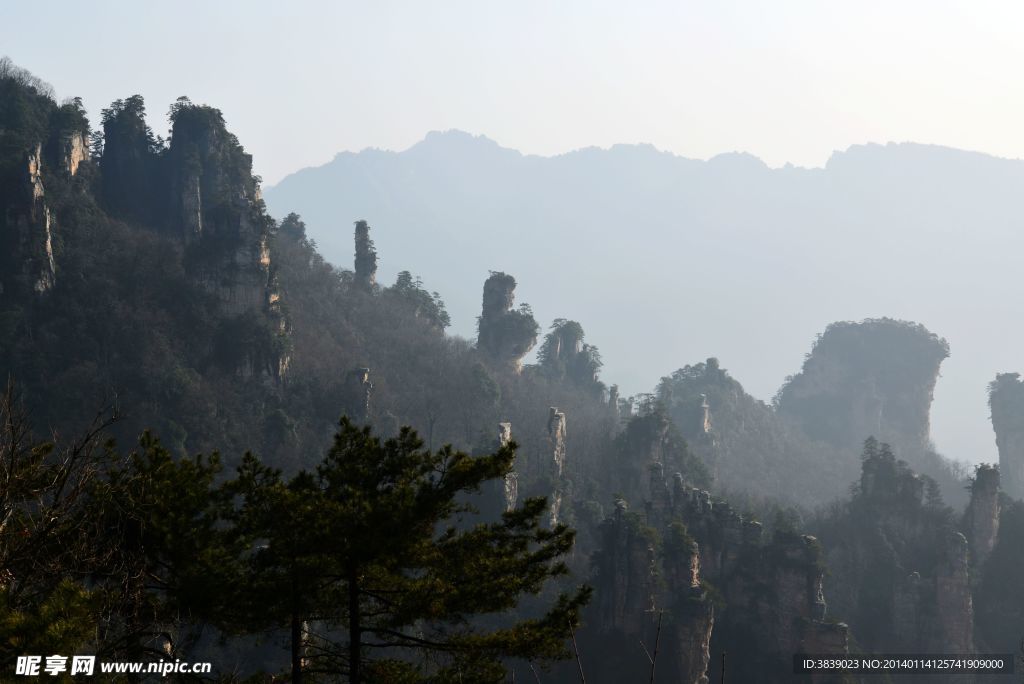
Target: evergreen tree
(171,567)
(376,555)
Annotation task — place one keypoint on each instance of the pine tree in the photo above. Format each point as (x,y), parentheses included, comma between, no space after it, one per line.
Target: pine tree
(376,564)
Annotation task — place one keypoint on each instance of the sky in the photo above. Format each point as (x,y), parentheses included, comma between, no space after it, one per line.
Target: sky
(789,81)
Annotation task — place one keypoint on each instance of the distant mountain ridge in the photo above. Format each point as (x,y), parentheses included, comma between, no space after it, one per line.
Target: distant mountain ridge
(667,260)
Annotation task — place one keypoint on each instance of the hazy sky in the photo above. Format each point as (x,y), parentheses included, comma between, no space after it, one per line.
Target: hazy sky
(787,80)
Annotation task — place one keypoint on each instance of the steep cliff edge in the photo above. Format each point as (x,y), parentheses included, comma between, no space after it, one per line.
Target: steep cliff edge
(28,229)
(135,267)
(873,378)
(565,355)
(981,520)
(506,335)
(200,191)
(649,591)
(220,215)
(1006,401)
(42,145)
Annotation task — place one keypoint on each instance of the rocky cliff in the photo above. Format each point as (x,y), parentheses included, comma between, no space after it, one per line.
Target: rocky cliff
(42,145)
(510,488)
(772,589)
(651,592)
(28,229)
(506,335)
(219,213)
(687,547)
(1006,400)
(556,461)
(769,592)
(981,521)
(565,355)
(875,377)
(200,191)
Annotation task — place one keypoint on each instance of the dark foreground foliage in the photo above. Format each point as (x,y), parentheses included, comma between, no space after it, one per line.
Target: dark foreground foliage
(371,567)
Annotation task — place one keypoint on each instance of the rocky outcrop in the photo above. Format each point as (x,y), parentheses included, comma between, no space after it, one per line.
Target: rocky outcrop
(934,613)
(218,209)
(42,146)
(366,258)
(505,335)
(691,612)
(275,312)
(953,629)
(511,488)
(564,354)
(773,590)
(981,521)
(358,391)
(693,620)
(626,573)
(556,447)
(35,229)
(74,150)
(645,451)
(613,405)
(201,190)
(875,377)
(645,594)
(28,233)
(1006,399)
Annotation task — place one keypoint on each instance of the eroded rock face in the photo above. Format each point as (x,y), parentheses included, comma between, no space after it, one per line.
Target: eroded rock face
(564,354)
(512,478)
(935,614)
(29,232)
(556,444)
(359,390)
(74,150)
(217,211)
(873,378)
(691,633)
(773,589)
(42,147)
(633,605)
(36,233)
(627,572)
(953,630)
(981,522)
(506,335)
(1006,399)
